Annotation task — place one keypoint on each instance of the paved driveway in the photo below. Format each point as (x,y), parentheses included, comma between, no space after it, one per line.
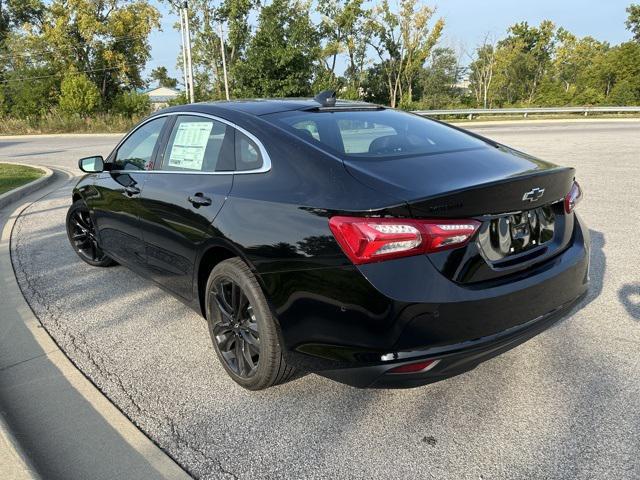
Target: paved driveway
(564,405)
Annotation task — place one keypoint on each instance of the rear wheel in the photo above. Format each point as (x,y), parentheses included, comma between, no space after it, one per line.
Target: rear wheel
(243,331)
(82,236)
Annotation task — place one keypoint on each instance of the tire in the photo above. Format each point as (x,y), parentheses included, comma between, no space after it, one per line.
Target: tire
(233,335)
(82,236)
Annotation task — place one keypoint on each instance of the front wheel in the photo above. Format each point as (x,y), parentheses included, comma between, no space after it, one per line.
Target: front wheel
(82,236)
(244,333)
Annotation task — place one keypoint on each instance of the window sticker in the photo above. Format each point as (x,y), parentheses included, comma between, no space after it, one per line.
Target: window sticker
(190,144)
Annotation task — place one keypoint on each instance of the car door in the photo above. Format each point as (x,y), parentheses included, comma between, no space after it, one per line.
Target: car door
(181,198)
(115,202)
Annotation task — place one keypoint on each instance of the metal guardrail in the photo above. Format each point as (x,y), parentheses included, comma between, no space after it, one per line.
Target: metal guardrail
(471,112)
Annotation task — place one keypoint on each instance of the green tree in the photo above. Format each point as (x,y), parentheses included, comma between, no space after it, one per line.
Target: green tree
(280,57)
(206,18)
(106,39)
(481,72)
(161,75)
(342,28)
(528,51)
(78,95)
(403,40)
(438,81)
(633,20)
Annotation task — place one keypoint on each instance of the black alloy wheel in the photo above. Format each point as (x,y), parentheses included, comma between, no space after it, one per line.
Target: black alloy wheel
(245,334)
(236,334)
(82,235)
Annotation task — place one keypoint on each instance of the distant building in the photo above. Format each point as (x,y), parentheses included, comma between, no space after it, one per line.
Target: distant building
(161,96)
(464,85)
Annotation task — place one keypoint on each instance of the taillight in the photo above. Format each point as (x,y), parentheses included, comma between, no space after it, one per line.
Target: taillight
(573,197)
(367,239)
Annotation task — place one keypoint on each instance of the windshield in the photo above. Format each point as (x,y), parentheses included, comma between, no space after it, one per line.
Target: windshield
(375,133)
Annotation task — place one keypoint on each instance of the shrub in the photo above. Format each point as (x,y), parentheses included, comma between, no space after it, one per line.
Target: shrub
(624,93)
(33,97)
(132,104)
(78,95)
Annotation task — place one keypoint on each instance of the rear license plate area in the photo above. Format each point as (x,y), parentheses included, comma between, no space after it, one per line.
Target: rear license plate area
(513,234)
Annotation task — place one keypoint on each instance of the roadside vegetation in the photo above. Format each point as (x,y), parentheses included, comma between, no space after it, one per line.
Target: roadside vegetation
(13,176)
(77,65)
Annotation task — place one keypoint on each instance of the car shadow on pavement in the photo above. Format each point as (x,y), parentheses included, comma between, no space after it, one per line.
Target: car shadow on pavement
(629,295)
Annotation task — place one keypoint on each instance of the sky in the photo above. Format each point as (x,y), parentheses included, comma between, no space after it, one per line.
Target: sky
(466,23)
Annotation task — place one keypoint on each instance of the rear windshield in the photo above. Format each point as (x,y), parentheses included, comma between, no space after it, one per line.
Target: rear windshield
(375,133)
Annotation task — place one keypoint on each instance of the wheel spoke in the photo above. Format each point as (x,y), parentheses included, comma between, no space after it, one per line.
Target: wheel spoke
(80,221)
(251,340)
(223,306)
(246,354)
(240,358)
(252,326)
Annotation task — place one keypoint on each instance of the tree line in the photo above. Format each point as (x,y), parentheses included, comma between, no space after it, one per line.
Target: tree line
(80,57)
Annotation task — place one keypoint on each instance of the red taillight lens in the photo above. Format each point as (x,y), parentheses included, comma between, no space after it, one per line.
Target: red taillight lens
(417,367)
(366,239)
(573,197)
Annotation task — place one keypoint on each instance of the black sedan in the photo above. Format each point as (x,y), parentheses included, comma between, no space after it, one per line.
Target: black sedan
(371,246)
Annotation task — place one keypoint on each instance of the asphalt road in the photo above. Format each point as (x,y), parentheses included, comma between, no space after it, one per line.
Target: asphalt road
(566,404)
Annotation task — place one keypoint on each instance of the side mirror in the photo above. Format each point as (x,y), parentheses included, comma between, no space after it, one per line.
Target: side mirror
(91,164)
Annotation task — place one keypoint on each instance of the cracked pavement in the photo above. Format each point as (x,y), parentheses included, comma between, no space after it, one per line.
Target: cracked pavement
(563,405)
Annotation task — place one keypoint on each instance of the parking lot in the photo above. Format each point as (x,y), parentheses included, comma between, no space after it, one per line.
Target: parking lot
(564,405)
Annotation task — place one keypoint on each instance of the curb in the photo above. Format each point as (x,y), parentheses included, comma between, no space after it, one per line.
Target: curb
(14,463)
(55,420)
(17,193)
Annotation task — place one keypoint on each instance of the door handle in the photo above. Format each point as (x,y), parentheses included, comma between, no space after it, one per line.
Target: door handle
(199,200)
(131,190)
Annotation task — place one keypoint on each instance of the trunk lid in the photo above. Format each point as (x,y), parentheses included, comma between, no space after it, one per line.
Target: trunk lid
(466,183)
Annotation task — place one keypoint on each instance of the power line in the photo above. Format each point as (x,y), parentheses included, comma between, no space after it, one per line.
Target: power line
(92,70)
(43,53)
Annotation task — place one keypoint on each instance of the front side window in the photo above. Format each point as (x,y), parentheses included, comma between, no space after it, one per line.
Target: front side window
(375,133)
(199,144)
(136,153)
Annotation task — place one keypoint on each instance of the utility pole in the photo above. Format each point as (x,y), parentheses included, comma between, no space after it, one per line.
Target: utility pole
(184,54)
(224,62)
(189,64)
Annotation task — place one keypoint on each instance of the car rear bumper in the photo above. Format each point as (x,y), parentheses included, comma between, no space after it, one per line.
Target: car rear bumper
(353,325)
(452,360)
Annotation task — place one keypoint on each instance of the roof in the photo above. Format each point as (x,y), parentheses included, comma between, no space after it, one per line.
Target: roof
(263,106)
(160,93)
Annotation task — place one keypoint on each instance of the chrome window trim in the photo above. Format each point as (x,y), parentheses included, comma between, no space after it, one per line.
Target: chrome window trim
(266,160)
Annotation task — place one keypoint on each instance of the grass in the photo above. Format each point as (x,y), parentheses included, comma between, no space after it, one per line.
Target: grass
(57,123)
(13,176)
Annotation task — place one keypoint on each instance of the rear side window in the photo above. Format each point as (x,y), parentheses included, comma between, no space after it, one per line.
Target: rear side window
(375,133)
(248,156)
(199,144)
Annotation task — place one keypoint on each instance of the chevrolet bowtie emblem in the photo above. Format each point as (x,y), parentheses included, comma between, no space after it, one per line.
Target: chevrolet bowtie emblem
(533,195)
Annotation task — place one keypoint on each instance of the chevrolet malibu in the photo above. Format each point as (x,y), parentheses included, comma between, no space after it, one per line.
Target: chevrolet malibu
(368,245)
